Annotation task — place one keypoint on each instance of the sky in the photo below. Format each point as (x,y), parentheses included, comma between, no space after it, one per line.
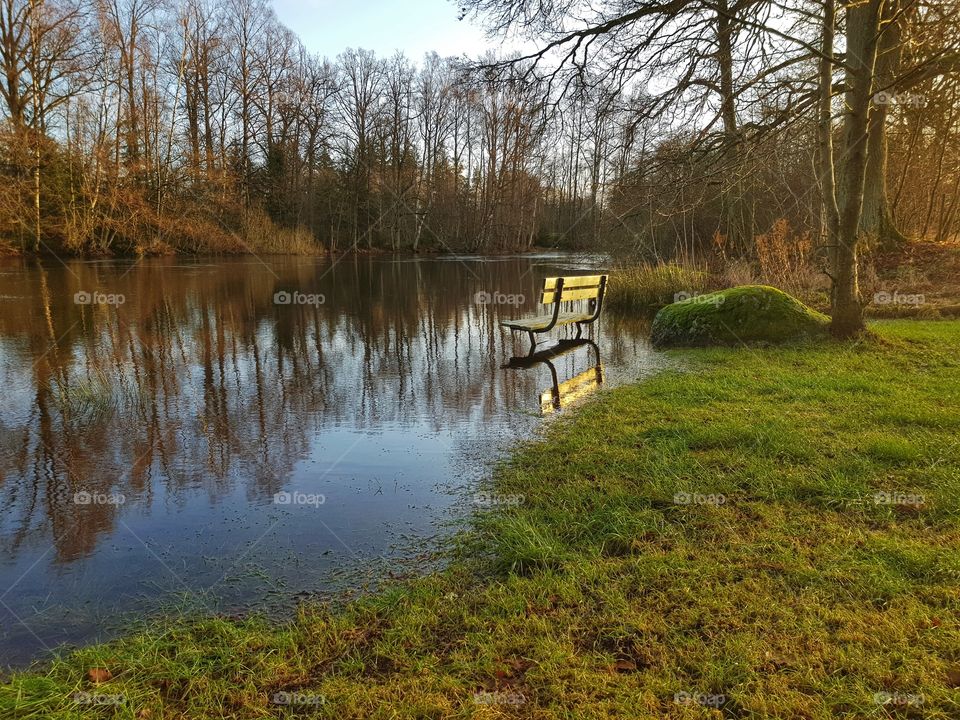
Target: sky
(416,27)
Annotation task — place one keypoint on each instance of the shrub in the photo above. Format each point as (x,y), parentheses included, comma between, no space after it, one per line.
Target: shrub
(784,258)
(749,314)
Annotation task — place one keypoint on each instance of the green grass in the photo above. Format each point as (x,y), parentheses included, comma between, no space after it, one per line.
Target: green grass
(783,586)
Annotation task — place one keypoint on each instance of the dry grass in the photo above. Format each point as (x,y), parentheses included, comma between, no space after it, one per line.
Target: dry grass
(645,288)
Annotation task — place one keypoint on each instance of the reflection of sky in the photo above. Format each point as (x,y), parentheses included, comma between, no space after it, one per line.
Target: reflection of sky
(16,396)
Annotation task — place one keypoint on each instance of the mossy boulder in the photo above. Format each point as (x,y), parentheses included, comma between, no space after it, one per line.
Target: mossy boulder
(746,314)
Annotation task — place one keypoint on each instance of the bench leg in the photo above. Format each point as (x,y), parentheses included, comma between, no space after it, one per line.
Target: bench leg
(533,341)
(579,330)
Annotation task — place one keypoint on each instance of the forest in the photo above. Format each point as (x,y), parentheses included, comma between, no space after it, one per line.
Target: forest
(668,130)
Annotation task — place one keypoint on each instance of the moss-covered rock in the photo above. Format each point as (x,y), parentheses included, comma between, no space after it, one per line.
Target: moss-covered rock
(747,314)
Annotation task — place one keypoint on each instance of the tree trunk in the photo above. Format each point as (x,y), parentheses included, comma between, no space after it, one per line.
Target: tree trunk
(863,21)
(737,233)
(828,180)
(877,220)
(37,128)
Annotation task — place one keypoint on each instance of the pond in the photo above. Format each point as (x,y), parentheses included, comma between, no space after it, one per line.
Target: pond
(227,435)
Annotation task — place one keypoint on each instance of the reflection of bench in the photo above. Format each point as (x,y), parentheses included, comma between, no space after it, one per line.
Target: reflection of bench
(563,393)
(562,293)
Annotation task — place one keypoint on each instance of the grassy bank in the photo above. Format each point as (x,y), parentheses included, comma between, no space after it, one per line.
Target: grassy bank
(213,228)
(920,280)
(773,533)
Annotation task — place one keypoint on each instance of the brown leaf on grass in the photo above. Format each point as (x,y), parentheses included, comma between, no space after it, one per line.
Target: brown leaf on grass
(511,668)
(624,666)
(953,677)
(518,664)
(98,675)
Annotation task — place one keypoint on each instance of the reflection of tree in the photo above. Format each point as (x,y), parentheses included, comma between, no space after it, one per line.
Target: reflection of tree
(199,381)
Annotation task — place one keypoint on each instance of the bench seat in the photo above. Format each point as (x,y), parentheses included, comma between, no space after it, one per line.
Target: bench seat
(543,321)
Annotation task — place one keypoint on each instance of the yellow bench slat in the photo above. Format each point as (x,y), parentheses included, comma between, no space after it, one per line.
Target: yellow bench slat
(569,295)
(542,321)
(574,281)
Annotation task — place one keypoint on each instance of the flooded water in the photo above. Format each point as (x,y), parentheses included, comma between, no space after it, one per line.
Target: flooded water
(226,435)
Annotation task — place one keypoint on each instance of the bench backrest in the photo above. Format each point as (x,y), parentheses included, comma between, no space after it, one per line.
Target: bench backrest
(574,287)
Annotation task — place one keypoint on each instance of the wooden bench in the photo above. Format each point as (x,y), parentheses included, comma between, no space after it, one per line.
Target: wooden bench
(562,293)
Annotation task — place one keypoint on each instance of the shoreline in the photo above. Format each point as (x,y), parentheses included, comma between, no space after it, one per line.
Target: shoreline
(320,252)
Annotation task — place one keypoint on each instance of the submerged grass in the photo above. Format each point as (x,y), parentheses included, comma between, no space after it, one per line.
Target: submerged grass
(647,288)
(773,535)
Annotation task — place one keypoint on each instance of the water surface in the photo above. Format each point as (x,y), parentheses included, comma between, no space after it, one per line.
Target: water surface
(235,434)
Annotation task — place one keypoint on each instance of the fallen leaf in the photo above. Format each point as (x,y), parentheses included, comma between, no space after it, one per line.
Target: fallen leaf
(98,675)
(624,666)
(518,665)
(953,677)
